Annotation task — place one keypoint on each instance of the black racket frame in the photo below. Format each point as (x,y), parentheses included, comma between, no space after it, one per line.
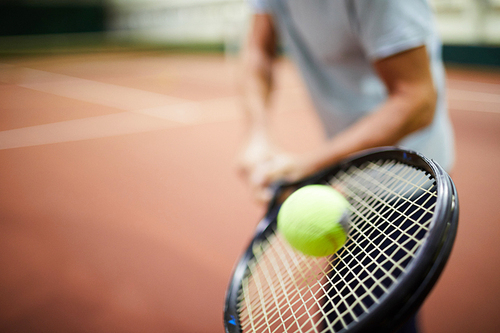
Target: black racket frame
(408,295)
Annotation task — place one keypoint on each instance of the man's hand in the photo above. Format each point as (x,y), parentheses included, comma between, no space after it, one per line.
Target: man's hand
(281,167)
(255,151)
(256,158)
(262,163)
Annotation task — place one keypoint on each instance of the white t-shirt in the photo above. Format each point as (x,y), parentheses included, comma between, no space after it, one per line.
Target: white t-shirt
(335,42)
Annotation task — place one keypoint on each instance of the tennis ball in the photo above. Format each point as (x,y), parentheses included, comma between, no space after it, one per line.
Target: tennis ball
(314,220)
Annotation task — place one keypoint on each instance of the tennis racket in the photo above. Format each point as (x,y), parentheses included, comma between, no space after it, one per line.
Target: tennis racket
(403,222)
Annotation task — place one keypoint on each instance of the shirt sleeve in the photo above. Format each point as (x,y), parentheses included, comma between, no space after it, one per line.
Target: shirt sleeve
(388,27)
(259,6)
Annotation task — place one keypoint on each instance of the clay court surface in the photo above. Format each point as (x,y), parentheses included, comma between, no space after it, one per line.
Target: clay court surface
(120,208)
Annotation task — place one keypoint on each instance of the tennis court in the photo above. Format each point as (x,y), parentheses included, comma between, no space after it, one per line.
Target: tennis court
(121,210)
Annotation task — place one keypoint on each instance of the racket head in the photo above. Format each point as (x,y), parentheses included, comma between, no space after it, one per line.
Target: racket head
(366,284)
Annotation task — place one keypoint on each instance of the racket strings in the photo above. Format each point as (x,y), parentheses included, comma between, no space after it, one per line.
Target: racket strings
(294,278)
(391,210)
(371,206)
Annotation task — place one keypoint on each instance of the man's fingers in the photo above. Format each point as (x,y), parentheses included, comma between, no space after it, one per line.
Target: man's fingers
(263,195)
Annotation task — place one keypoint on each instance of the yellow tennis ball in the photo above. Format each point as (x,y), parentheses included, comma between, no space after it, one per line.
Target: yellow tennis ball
(314,220)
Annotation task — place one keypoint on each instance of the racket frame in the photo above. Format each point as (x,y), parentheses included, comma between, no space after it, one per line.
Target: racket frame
(403,298)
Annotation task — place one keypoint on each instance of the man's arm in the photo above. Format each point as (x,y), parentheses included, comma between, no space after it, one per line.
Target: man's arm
(410,106)
(257,80)
(256,84)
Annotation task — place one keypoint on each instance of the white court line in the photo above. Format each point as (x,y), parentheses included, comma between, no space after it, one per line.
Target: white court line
(474,101)
(123,98)
(478,86)
(120,123)
(80,129)
(473,96)
(146,110)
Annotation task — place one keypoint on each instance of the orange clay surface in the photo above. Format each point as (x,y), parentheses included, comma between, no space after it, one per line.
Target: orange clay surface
(120,208)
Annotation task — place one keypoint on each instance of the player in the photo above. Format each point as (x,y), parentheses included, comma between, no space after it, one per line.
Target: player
(374,72)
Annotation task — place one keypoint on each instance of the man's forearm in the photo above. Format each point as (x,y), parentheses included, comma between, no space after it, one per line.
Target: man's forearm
(410,106)
(398,117)
(257,74)
(256,88)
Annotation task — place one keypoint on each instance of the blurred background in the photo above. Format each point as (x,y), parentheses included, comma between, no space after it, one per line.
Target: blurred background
(469,28)
(120,208)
